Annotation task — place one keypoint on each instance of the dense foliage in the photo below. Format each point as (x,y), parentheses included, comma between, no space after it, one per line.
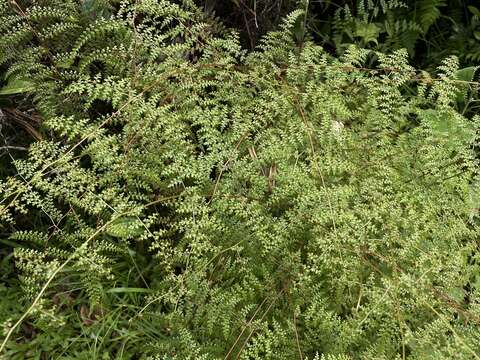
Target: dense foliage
(428,29)
(187,199)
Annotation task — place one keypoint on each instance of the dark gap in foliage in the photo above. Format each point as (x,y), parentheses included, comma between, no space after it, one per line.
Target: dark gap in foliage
(86,161)
(253,18)
(102,109)
(97,68)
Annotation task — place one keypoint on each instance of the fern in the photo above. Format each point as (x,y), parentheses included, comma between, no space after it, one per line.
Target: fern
(194,201)
(427,11)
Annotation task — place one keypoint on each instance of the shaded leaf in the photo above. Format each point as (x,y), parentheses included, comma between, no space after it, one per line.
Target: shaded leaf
(466,74)
(368,32)
(16,86)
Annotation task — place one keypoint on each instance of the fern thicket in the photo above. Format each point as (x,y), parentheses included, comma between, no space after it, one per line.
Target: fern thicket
(429,29)
(195,201)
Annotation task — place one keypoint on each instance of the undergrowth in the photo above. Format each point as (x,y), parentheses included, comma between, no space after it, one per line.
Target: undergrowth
(191,200)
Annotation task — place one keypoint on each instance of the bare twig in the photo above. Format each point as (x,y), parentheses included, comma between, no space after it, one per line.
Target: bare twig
(10,147)
(296,335)
(253,330)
